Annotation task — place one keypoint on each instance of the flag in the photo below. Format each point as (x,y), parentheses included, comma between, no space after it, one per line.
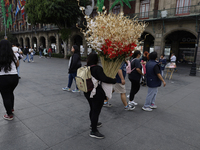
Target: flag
(22,10)
(18,8)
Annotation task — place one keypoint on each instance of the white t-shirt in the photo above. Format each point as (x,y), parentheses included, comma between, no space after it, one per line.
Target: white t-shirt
(173,58)
(15,49)
(31,51)
(13,68)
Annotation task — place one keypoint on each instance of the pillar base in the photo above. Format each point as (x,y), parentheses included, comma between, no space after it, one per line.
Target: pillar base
(193,70)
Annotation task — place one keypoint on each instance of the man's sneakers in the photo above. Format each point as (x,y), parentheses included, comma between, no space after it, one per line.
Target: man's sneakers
(153,106)
(129,107)
(146,108)
(66,89)
(6,117)
(106,104)
(99,124)
(76,90)
(96,135)
(132,103)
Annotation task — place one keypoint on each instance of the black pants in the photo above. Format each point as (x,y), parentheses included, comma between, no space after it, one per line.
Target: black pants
(7,86)
(96,104)
(135,86)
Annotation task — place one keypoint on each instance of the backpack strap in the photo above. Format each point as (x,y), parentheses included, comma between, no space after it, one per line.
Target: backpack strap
(131,62)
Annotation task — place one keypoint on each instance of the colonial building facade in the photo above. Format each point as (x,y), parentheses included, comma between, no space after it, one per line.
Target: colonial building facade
(173,28)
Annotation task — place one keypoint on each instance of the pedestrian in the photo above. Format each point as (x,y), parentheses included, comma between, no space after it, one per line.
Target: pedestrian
(162,62)
(45,52)
(173,58)
(40,51)
(26,52)
(8,77)
(143,62)
(97,95)
(135,76)
(74,64)
(50,51)
(119,87)
(154,79)
(20,57)
(31,51)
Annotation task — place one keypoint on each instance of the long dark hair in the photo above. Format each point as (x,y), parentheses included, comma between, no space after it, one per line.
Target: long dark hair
(92,59)
(7,56)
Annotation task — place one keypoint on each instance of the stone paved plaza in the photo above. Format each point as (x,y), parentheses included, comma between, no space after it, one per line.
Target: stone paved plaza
(47,118)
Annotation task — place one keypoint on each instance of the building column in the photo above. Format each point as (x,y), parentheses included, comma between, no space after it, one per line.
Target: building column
(57,44)
(158,44)
(47,41)
(137,6)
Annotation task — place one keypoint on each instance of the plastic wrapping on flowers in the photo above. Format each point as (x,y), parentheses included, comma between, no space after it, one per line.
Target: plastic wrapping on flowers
(114,37)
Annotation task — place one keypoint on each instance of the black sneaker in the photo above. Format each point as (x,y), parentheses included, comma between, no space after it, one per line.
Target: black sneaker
(99,124)
(96,135)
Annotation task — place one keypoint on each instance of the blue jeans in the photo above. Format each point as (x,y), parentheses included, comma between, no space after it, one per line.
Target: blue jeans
(18,68)
(70,79)
(26,57)
(151,96)
(50,54)
(31,57)
(40,53)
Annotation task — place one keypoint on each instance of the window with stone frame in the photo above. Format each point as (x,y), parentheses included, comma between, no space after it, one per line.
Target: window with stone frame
(144,9)
(183,7)
(116,9)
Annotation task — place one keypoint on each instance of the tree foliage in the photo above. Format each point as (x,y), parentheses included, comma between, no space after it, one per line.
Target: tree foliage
(63,13)
(10,37)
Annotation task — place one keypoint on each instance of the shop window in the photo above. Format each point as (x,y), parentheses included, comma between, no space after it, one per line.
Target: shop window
(144,9)
(183,7)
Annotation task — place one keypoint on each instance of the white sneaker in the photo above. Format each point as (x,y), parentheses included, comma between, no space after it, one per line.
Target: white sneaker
(132,103)
(146,108)
(153,106)
(129,107)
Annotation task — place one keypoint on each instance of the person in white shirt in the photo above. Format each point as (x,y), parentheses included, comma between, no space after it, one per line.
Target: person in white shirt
(31,51)
(18,53)
(173,58)
(8,77)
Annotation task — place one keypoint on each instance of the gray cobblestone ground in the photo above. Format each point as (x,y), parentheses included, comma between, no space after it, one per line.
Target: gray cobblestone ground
(48,118)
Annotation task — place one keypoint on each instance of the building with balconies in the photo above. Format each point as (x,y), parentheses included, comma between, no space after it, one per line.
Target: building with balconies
(173,27)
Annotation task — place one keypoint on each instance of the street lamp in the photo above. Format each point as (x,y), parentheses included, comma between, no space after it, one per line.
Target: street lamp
(193,68)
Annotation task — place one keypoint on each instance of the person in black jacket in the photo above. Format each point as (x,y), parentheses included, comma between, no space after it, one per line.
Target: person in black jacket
(74,64)
(96,97)
(26,52)
(135,76)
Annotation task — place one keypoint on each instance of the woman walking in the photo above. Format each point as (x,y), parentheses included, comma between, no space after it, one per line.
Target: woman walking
(97,95)
(74,64)
(135,76)
(8,77)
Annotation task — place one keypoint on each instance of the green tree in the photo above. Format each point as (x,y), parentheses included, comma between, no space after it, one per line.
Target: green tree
(10,37)
(62,13)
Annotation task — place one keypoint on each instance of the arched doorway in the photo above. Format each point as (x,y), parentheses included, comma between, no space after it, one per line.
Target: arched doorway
(53,43)
(147,42)
(78,40)
(42,42)
(34,43)
(27,42)
(182,44)
(21,42)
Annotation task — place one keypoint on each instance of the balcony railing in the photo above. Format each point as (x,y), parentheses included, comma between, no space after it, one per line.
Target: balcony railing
(168,13)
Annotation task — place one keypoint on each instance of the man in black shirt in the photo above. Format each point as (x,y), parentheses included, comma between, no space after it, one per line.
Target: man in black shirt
(26,52)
